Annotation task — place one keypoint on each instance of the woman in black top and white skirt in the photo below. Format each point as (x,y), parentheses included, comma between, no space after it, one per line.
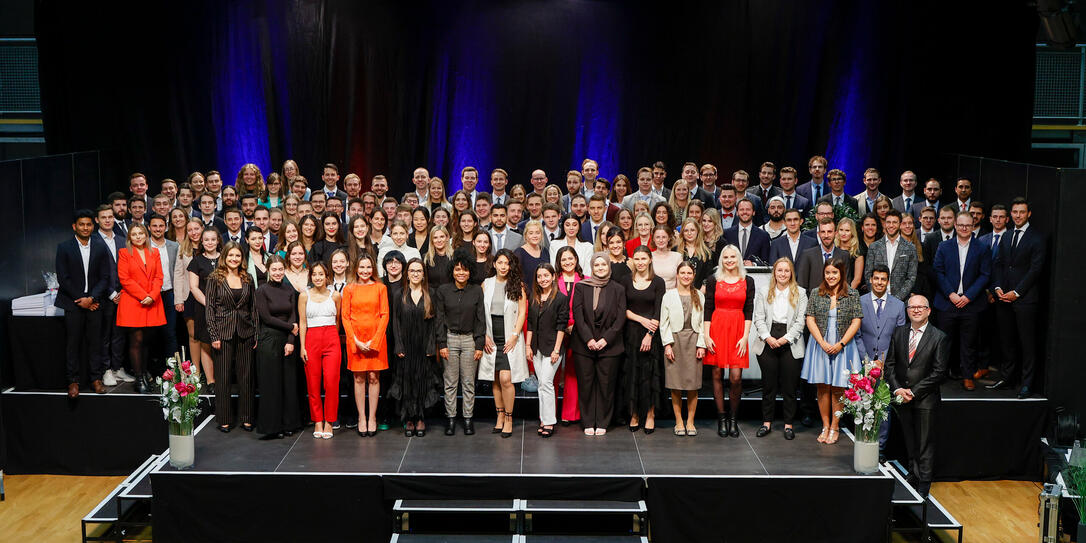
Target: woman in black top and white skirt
(548,315)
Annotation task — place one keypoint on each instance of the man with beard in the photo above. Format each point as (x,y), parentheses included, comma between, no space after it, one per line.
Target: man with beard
(774,225)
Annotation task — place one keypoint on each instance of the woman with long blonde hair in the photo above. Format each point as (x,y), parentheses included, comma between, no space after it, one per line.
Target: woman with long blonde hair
(642,233)
(249,180)
(693,250)
(711,230)
(848,240)
(729,308)
(778,343)
(679,199)
(681,325)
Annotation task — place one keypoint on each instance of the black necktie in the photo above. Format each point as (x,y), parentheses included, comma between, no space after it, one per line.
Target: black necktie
(1014,240)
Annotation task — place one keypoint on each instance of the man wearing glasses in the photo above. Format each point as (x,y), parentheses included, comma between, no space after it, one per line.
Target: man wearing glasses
(915,366)
(962,269)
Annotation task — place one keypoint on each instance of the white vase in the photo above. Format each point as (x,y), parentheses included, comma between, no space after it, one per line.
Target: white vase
(182,451)
(865,457)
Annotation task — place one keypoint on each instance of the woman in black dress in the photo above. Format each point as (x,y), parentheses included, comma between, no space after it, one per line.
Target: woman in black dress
(616,250)
(331,238)
(415,328)
(531,254)
(277,311)
(438,257)
(644,292)
(201,266)
(256,262)
(481,258)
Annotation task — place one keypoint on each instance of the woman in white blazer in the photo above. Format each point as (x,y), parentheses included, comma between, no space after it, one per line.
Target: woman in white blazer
(681,321)
(777,341)
(506,305)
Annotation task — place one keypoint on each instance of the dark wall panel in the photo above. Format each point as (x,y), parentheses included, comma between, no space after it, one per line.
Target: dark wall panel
(1066,374)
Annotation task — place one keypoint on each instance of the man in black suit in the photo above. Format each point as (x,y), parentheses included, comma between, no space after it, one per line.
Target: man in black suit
(83,278)
(915,366)
(118,202)
(792,243)
(767,173)
(207,215)
(330,177)
(792,199)
(816,188)
(112,340)
(811,261)
(1016,270)
(753,242)
(837,195)
(232,217)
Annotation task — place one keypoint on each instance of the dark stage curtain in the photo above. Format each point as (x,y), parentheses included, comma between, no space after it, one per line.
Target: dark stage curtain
(383,87)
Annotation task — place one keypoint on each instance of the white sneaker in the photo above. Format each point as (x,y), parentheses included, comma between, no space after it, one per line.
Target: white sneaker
(108,379)
(124,376)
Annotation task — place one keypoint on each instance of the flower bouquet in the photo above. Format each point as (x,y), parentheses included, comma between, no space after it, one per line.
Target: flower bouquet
(868,400)
(179,396)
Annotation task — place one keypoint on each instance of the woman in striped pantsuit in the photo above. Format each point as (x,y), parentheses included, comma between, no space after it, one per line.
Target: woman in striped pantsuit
(231,322)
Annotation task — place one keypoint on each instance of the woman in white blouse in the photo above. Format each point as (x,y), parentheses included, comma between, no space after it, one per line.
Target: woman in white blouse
(665,262)
(778,342)
(571,228)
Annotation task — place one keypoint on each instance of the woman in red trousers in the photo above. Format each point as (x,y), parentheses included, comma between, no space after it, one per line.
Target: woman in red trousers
(140,304)
(318,330)
(569,274)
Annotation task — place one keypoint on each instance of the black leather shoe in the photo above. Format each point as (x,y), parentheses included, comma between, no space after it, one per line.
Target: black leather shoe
(409,432)
(269,437)
(420,432)
(1001,384)
(141,385)
(225,429)
(209,390)
(734,428)
(248,427)
(469,427)
(789,434)
(450,428)
(1023,393)
(763,431)
(721,426)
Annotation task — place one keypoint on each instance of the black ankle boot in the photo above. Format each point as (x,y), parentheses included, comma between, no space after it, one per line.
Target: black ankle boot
(722,428)
(469,427)
(733,429)
(142,386)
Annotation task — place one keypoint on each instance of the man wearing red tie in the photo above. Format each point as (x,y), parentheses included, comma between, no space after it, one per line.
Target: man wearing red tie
(915,366)
(727,205)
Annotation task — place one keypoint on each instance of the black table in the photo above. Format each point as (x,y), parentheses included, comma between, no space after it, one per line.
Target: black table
(37,352)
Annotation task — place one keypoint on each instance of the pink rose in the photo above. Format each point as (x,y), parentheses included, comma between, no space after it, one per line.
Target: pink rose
(851,395)
(186,366)
(875,372)
(168,375)
(190,388)
(854,378)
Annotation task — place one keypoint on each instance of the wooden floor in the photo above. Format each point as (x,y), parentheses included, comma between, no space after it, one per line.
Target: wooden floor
(49,507)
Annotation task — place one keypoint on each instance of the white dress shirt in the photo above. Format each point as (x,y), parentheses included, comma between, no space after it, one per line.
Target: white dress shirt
(875,303)
(963,251)
(84,253)
(781,306)
(891,251)
(164,258)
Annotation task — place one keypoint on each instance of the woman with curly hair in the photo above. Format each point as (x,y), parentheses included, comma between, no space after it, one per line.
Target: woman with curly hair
(231,322)
(504,359)
(249,180)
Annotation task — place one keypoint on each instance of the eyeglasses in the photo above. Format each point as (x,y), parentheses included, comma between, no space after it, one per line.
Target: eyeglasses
(917,307)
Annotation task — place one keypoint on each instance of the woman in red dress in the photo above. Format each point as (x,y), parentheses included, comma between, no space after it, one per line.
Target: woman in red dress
(729,299)
(139,307)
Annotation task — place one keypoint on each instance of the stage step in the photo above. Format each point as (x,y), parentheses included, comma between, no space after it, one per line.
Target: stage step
(121,515)
(930,514)
(437,538)
(600,519)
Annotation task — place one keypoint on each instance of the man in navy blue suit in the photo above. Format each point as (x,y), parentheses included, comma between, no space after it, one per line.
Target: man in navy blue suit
(882,314)
(962,270)
(753,242)
(792,243)
(792,199)
(83,277)
(815,188)
(1018,265)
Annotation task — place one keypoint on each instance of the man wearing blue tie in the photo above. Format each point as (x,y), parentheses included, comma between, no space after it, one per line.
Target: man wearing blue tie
(962,269)
(989,328)
(882,314)
(816,187)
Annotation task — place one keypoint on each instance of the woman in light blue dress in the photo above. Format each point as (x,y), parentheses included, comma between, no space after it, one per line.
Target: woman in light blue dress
(833,318)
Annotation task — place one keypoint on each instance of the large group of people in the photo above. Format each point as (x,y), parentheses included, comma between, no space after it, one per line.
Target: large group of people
(617,292)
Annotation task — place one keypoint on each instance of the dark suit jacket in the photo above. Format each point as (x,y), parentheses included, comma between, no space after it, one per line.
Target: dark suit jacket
(845,199)
(69,268)
(756,190)
(121,242)
(799,203)
(925,372)
(216,223)
(710,199)
(230,316)
(757,245)
(546,320)
(898,203)
(804,190)
(781,248)
(606,322)
(586,231)
(974,279)
(809,267)
(339,194)
(986,240)
(1018,269)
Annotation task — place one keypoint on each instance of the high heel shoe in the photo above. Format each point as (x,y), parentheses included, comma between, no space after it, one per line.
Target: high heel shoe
(500,423)
(509,418)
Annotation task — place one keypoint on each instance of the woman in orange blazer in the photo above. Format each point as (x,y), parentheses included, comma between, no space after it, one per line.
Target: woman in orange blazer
(365,319)
(140,304)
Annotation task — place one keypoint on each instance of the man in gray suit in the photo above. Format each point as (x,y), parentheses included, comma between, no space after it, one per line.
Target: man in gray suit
(882,314)
(899,257)
(167,252)
(904,202)
(501,236)
(644,191)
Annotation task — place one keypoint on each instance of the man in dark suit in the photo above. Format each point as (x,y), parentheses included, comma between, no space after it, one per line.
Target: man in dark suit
(904,201)
(1018,267)
(816,187)
(883,314)
(753,242)
(792,199)
(330,177)
(207,215)
(837,195)
(811,261)
(83,278)
(112,340)
(915,365)
(708,192)
(764,190)
(962,270)
(792,243)
(933,190)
